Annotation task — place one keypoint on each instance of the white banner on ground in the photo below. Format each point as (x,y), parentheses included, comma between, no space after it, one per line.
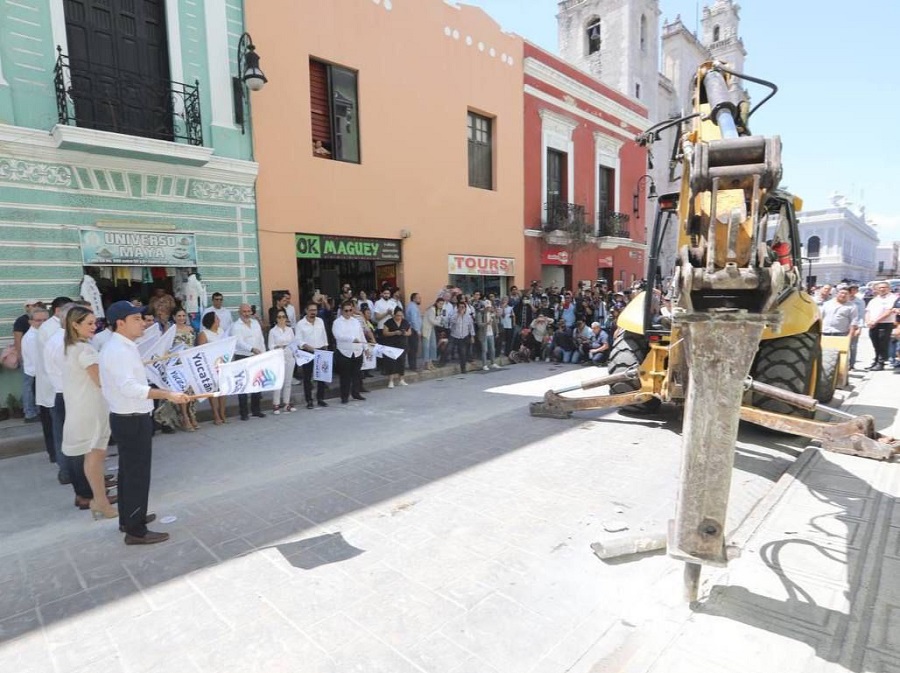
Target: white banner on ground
(368,358)
(301,357)
(255,374)
(201,364)
(322,367)
(388,351)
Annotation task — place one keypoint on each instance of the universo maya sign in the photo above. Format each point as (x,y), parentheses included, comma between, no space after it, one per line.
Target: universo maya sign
(137,248)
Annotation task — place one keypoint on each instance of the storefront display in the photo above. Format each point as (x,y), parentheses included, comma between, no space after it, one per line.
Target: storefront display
(480,273)
(326,262)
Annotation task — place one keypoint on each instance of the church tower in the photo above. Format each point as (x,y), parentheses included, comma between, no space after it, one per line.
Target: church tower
(720,33)
(615,41)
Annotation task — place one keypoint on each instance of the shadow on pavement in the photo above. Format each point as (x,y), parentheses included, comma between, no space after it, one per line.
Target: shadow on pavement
(837,581)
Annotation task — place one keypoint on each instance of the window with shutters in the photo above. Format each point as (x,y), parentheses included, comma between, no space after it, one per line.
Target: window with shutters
(334,111)
(481,152)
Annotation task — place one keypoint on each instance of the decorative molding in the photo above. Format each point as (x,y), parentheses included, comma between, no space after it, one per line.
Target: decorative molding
(74,137)
(554,122)
(220,191)
(575,111)
(607,148)
(35,173)
(545,73)
(33,144)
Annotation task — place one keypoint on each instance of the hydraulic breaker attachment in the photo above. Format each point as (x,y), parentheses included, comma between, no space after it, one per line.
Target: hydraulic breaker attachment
(855,435)
(719,347)
(554,405)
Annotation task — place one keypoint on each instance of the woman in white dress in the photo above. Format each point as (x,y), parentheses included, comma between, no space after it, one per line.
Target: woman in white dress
(212,332)
(281,336)
(86,429)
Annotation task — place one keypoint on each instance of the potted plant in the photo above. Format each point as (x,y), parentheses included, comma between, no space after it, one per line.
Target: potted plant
(14,405)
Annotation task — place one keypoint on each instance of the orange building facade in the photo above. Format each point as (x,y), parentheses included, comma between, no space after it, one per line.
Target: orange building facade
(389,139)
(582,168)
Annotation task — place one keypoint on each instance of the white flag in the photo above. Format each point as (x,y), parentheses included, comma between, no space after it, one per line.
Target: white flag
(301,357)
(323,366)
(156,348)
(201,364)
(388,351)
(255,374)
(177,376)
(368,356)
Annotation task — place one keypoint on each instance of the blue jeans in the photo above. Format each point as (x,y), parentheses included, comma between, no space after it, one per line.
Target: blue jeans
(567,357)
(28,404)
(487,349)
(58,417)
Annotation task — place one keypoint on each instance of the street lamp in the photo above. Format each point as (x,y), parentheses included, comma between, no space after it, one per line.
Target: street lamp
(651,194)
(250,75)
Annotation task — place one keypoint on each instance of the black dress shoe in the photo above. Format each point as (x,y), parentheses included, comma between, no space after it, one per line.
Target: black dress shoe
(358,397)
(876,368)
(147,519)
(258,414)
(309,405)
(344,401)
(363,389)
(245,417)
(322,403)
(65,481)
(149,537)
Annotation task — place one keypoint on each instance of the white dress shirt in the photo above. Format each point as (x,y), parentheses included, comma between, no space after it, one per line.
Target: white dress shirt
(29,351)
(43,387)
(280,337)
(385,306)
(291,314)
(122,377)
(311,334)
(248,337)
(349,336)
(877,307)
(55,360)
(99,340)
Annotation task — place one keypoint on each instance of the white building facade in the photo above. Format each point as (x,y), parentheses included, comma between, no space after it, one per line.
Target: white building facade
(838,244)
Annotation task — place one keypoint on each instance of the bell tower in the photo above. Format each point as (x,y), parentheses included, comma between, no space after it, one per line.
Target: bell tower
(720,25)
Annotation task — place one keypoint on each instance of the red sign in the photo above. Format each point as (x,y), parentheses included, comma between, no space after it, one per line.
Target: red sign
(476,265)
(605,262)
(556,256)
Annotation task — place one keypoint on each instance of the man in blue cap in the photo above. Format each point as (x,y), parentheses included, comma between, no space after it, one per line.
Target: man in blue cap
(130,399)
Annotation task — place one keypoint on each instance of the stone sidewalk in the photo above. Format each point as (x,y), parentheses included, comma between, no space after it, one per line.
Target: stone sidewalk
(817,588)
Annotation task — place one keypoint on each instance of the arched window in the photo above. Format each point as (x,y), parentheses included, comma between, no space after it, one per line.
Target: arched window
(715,33)
(593,36)
(812,247)
(643,33)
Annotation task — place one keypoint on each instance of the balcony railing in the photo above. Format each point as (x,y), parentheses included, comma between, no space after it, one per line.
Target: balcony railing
(563,217)
(610,223)
(112,99)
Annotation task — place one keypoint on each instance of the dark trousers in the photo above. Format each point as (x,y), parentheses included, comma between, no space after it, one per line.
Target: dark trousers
(348,370)
(462,351)
(80,484)
(134,436)
(47,428)
(412,349)
(506,336)
(58,420)
(255,399)
(308,383)
(880,336)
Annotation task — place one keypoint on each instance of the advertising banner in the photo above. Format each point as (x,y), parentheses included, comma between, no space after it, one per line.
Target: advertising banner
(477,265)
(137,248)
(316,246)
(255,374)
(322,368)
(201,364)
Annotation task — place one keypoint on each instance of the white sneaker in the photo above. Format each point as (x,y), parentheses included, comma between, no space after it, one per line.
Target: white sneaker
(403,382)
(546,359)
(495,366)
(390,384)
(486,368)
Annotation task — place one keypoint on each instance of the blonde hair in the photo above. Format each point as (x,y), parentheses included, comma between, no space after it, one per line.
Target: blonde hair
(74,317)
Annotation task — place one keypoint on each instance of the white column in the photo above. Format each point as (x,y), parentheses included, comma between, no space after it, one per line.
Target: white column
(219,63)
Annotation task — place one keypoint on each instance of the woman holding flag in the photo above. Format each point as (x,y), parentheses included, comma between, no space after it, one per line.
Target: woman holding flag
(209,333)
(281,336)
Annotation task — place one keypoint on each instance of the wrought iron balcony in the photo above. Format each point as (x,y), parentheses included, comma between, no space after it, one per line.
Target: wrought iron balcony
(113,99)
(563,217)
(610,223)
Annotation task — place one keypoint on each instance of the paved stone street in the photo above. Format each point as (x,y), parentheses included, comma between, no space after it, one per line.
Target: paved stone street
(437,528)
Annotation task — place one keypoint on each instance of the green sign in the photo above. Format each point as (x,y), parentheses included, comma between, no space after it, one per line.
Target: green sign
(137,248)
(314,246)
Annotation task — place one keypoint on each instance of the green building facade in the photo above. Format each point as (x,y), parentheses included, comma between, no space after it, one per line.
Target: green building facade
(120,124)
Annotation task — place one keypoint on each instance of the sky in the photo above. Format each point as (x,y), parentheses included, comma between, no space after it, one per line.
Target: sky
(838,102)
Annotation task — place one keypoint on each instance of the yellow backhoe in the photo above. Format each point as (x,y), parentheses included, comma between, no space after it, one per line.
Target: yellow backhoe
(734,336)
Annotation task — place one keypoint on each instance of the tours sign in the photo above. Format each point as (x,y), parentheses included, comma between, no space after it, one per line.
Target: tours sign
(316,246)
(137,248)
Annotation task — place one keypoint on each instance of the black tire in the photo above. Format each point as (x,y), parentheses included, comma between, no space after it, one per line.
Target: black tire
(788,363)
(828,373)
(629,350)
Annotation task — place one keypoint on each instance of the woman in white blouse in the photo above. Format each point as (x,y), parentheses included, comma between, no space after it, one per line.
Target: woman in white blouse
(280,337)
(212,332)
(86,429)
